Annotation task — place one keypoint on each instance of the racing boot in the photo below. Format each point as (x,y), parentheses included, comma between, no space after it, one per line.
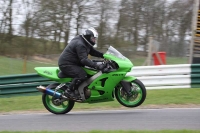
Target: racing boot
(69,92)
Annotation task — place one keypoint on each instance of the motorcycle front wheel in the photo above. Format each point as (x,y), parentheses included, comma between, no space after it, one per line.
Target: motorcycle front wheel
(53,105)
(138,96)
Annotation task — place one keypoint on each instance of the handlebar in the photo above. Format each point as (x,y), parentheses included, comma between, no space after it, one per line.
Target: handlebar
(110,66)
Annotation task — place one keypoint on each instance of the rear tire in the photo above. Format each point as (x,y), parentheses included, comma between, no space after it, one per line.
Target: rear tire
(138,97)
(63,108)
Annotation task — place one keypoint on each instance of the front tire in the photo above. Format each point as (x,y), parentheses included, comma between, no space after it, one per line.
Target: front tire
(138,91)
(62,108)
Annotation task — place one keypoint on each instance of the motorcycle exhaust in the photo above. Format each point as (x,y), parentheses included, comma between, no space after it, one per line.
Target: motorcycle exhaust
(49,91)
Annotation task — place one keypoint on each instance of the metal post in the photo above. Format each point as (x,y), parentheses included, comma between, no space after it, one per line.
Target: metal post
(149,59)
(194,27)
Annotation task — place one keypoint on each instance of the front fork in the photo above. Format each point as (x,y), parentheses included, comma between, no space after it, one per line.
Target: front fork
(126,84)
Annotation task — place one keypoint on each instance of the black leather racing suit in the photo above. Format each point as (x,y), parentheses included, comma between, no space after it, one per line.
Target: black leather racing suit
(73,57)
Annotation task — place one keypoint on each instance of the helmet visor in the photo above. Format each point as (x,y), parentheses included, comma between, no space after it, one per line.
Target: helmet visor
(94,40)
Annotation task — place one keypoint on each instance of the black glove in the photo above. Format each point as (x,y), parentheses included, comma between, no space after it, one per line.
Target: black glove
(101,67)
(101,55)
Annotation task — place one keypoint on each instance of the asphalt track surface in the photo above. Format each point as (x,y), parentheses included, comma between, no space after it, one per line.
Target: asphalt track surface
(134,119)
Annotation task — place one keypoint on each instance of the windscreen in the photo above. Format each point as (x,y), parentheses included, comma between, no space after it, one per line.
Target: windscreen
(111,50)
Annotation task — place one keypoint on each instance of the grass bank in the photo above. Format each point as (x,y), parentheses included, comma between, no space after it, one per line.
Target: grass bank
(10,66)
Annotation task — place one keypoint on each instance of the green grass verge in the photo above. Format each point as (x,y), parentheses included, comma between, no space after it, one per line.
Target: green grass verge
(158,98)
(10,66)
(161,131)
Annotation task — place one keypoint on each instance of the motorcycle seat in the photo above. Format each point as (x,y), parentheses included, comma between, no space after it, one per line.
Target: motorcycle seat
(62,75)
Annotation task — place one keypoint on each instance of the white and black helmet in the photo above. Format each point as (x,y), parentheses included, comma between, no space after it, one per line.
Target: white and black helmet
(90,36)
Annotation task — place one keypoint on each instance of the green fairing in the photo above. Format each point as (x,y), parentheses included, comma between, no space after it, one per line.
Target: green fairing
(129,78)
(124,64)
(111,80)
(89,71)
(51,73)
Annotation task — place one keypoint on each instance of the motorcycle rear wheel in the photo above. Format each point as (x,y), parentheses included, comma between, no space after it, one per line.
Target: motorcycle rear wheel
(138,91)
(63,108)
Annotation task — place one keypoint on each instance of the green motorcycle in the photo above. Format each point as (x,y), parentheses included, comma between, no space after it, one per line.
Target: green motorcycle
(100,86)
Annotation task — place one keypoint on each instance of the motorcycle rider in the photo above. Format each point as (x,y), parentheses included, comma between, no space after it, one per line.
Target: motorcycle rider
(75,56)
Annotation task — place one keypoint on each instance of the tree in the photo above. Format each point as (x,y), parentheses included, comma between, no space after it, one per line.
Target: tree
(164,21)
(54,21)
(6,29)
(10,30)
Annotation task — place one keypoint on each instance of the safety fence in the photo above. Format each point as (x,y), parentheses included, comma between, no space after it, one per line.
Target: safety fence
(22,84)
(153,77)
(168,76)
